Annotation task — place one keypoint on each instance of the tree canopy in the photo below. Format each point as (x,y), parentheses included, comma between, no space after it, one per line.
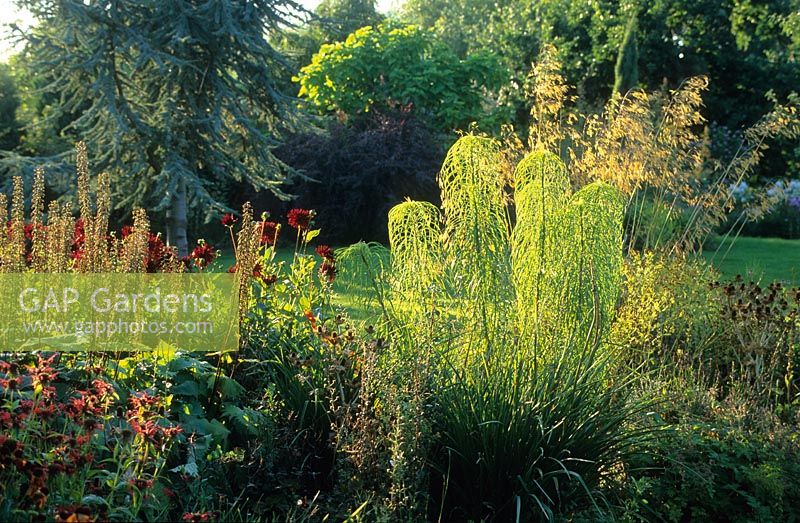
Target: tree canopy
(176,98)
(400,65)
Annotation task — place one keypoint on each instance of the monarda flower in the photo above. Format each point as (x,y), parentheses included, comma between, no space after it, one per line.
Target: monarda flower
(229,220)
(141,484)
(28,231)
(325,251)
(300,219)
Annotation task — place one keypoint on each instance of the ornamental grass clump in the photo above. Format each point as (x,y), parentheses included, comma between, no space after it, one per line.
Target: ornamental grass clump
(512,284)
(652,147)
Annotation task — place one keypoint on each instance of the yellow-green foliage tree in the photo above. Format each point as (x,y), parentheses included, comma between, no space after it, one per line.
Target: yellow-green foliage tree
(382,66)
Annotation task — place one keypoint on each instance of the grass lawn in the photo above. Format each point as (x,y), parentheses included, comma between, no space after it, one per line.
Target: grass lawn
(358,302)
(765,259)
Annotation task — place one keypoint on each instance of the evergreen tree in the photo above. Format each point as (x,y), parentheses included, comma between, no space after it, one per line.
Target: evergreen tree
(626,71)
(342,17)
(9,102)
(177,98)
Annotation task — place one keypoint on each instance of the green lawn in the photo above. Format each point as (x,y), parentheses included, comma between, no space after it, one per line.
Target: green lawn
(765,259)
(358,302)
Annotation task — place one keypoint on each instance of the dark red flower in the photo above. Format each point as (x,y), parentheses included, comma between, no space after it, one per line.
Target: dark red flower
(78,239)
(327,270)
(73,513)
(269,232)
(199,516)
(325,251)
(229,220)
(300,219)
(126,231)
(141,484)
(203,255)
(158,254)
(257,271)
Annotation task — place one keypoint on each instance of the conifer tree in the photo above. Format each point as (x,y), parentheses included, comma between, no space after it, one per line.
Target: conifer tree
(626,71)
(175,98)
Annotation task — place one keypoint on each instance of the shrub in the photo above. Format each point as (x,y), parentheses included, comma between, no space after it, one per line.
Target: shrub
(356,173)
(667,314)
(720,459)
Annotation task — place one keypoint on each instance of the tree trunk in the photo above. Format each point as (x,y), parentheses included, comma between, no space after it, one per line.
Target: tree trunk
(177,221)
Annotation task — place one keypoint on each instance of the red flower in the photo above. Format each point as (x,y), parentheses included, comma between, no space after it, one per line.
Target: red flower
(199,516)
(229,220)
(141,484)
(327,270)
(143,399)
(269,232)
(325,251)
(203,255)
(300,219)
(157,253)
(102,388)
(73,513)
(78,239)
(126,231)
(257,271)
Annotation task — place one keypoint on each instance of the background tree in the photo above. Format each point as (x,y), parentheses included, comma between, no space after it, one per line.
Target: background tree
(333,21)
(176,98)
(392,66)
(736,43)
(9,102)
(342,17)
(626,71)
